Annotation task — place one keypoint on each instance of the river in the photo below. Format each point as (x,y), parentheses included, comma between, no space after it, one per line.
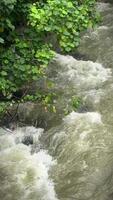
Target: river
(72,160)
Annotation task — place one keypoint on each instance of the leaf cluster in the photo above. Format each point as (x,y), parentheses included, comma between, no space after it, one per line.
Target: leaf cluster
(63,18)
(25,50)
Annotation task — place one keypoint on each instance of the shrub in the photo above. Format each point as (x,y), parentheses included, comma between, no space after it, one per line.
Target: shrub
(24,49)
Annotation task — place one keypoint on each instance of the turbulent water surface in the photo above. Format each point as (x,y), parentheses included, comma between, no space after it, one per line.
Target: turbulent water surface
(73,160)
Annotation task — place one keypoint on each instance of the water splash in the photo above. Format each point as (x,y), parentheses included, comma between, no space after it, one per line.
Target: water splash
(83,147)
(80,74)
(23,175)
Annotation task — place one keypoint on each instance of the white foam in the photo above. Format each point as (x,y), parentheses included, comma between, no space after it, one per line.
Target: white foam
(92,117)
(26,175)
(82,74)
(21,133)
(104,7)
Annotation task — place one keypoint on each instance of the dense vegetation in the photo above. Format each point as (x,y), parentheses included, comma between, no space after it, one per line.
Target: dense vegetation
(30,33)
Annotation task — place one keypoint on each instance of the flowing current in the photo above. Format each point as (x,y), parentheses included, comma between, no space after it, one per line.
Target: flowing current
(72,160)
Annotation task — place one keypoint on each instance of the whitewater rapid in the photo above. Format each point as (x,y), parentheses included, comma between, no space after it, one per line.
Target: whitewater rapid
(24,175)
(72,160)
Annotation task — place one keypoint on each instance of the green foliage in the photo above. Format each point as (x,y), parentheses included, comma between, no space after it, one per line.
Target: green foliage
(25,49)
(6,8)
(3,107)
(63,18)
(21,65)
(74,104)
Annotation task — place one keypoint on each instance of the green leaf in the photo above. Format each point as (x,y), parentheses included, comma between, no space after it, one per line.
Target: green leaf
(3,73)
